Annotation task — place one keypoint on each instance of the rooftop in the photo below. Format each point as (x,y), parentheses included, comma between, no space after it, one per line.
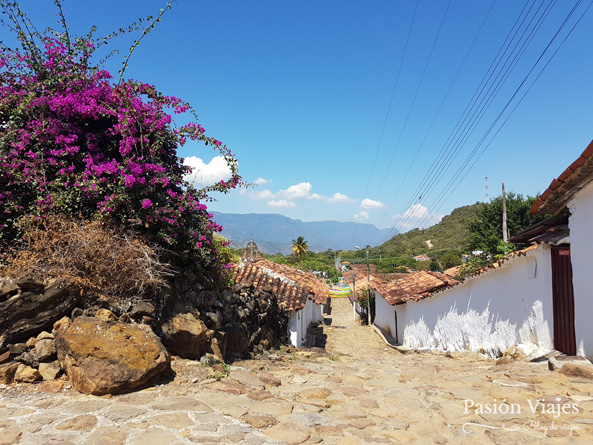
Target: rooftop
(292,286)
(553,200)
(419,285)
(415,287)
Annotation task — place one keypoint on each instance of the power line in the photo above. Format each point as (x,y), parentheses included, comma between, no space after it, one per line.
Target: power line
(445,152)
(413,103)
(390,104)
(417,191)
(483,97)
(450,188)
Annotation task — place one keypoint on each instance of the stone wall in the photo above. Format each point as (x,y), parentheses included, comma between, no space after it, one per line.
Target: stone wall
(192,321)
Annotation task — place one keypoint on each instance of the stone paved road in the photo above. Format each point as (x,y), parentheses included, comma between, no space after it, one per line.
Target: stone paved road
(357,390)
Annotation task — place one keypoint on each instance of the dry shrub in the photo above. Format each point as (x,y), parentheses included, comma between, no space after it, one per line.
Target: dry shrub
(100,258)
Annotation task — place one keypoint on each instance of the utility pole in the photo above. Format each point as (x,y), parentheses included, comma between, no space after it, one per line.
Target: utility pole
(354,292)
(487,197)
(505,233)
(369,285)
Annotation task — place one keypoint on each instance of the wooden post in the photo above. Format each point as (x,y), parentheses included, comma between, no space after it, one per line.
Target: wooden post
(369,286)
(505,233)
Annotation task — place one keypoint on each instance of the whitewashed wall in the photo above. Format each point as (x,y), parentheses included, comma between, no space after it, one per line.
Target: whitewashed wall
(294,330)
(489,313)
(581,249)
(385,317)
(299,321)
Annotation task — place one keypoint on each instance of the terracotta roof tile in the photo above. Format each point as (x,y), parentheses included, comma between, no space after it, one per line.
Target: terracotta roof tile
(424,284)
(452,271)
(416,286)
(571,180)
(292,286)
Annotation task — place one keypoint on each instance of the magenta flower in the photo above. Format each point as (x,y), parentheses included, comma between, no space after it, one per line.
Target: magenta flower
(129,181)
(146,203)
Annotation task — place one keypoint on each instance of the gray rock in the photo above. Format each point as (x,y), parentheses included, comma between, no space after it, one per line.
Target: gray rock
(45,349)
(27,314)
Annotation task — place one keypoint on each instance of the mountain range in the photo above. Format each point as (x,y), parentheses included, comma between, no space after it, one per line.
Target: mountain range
(273,233)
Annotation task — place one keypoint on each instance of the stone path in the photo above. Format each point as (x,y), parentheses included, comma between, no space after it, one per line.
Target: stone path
(357,390)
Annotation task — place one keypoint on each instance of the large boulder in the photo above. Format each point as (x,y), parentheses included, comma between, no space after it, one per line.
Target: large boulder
(25,314)
(186,335)
(109,357)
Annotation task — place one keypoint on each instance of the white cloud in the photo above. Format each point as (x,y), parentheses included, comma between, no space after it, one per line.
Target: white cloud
(361,216)
(296,191)
(264,194)
(370,204)
(281,203)
(203,174)
(417,216)
(340,198)
(261,181)
(416,211)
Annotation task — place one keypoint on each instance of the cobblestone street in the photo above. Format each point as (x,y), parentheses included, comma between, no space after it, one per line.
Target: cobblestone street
(356,390)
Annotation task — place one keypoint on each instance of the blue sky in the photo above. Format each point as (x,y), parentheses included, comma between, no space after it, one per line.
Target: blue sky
(338,109)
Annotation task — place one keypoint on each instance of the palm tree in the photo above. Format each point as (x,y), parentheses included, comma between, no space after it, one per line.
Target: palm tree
(299,246)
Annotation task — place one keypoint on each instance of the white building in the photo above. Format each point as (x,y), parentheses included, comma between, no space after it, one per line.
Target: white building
(570,196)
(301,294)
(504,305)
(540,297)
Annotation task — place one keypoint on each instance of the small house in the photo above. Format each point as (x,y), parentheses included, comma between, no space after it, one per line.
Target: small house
(300,293)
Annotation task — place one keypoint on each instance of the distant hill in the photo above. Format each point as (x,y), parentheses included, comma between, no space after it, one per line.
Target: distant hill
(450,233)
(274,233)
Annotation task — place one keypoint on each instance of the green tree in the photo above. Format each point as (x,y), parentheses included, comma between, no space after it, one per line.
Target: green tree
(299,246)
(434,266)
(486,227)
(450,260)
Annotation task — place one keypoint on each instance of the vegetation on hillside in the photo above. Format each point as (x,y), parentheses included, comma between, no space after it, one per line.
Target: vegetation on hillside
(476,227)
(448,237)
(321,264)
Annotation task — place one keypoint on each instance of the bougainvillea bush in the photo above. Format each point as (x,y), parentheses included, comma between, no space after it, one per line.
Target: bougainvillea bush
(75,142)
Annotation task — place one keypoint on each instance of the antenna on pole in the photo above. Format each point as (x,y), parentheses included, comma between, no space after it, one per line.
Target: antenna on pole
(487,197)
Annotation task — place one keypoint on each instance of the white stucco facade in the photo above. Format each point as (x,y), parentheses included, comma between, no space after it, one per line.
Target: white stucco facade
(300,320)
(581,248)
(507,306)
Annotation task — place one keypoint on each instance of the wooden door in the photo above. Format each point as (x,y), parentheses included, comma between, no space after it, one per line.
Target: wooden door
(563,300)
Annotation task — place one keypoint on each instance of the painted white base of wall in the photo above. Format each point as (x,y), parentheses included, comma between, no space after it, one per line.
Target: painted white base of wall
(504,307)
(482,332)
(299,321)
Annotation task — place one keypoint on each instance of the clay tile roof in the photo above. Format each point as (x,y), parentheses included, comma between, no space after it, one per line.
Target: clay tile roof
(416,286)
(553,200)
(452,271)
(362,279)
(291,286)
